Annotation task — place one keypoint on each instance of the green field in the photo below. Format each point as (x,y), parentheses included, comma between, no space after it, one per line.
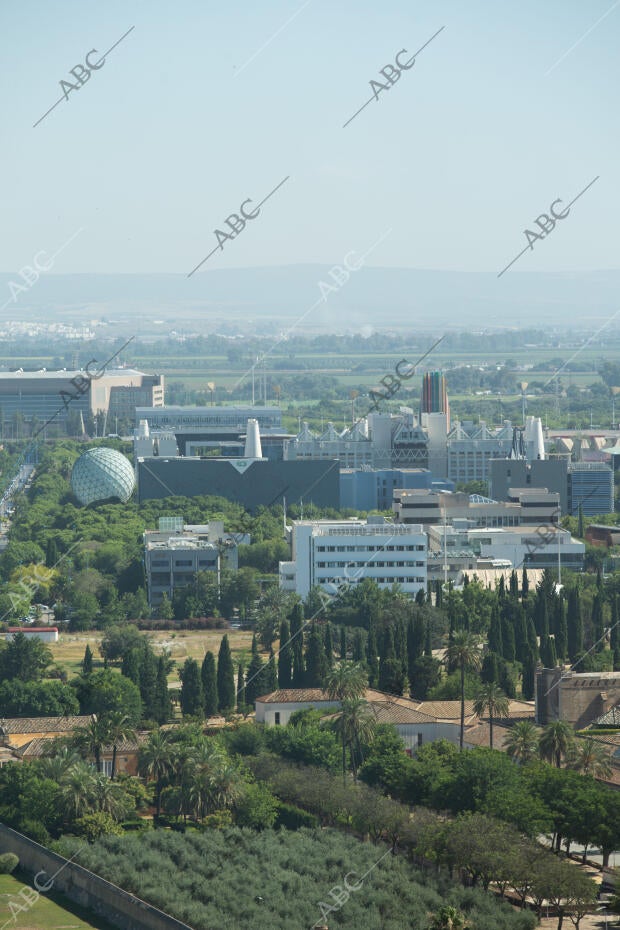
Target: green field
(49,912)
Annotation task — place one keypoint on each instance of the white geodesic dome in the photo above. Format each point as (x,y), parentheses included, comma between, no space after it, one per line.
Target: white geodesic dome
(100,474)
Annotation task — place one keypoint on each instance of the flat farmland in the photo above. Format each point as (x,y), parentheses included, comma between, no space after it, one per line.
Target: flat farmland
(68,652)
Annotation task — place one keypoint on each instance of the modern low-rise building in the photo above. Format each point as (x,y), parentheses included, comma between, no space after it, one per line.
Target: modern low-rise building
(526,507)
(514,547)
(176,552)
(47,634)
(41,396)
(330,554)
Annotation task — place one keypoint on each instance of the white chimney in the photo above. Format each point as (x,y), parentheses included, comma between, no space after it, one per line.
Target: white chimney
(253,448)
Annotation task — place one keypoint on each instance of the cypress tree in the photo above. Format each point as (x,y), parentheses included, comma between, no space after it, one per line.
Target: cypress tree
(226,698)
(561,632)
(270,674)
(501,593)
(240,688)
(574,625)
(525,585)
(496,644)
(254,680)
(580,532)
(87,661)
(541,615)
(162,710)
(598,629)
(532,639)
(520,628)
(508,638)
(51,553)
(358,646)
(329,644)
(343,643)
(208,677)
(316,661)
(148,676)
(490,670)
(372,658)
(285,675)
(191,689)
(428,642)
(529,676)
(297,646)
(614,631)
(514,584)
(420,597)
(130,666)
(505,680)
(438,595)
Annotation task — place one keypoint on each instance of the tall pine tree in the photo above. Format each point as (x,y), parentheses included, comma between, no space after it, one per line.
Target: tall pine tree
(372,659)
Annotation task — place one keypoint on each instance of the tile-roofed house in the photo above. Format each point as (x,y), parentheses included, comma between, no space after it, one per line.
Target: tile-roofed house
(15,731)
(126,753)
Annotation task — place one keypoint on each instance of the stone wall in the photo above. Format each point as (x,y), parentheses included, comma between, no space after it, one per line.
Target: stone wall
(118,907)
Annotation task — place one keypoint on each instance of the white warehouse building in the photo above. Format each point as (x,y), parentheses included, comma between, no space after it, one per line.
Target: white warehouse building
(331,554)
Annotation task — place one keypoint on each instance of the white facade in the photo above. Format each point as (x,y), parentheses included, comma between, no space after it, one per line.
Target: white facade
(520,546)
(331,554)
(47,634)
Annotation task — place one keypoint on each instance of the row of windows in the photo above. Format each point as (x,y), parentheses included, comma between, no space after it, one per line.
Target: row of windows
(373,564)
(370,549)
(408,579)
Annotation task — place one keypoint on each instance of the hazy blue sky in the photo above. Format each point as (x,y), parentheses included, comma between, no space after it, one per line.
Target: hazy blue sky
(173,133)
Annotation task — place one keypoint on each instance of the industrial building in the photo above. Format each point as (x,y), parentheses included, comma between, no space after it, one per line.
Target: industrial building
(175,552)
(39,396)
(252,481)
(373,488)
(334,553)
(526,506)
(586,484)
(207,430)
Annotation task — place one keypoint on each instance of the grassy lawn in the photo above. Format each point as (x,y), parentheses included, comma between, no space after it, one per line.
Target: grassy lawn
(49,912)
(68,652)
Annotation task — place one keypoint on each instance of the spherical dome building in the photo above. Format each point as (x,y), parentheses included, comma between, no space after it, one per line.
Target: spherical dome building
(101,474)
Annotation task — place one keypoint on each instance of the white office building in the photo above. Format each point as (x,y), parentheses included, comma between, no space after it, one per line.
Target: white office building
(331,554)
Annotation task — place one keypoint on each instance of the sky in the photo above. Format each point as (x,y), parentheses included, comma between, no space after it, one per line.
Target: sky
(205,105)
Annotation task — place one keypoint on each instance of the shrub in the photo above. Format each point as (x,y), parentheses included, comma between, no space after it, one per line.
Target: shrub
(94,826)
(8,863)
(293,818)
(35,831)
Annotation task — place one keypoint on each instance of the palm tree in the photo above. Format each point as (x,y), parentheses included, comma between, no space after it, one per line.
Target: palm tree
(200,775)
(346,681)
(79,790)
(590,758)
(119,730)
(90,740)
(356,724)
(491,699)
(155,760)
(555,742)
(109,797)
(463,653)
(58,766)
(521,743)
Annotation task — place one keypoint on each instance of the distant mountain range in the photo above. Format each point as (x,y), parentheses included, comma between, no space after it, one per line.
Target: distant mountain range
(264,299)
